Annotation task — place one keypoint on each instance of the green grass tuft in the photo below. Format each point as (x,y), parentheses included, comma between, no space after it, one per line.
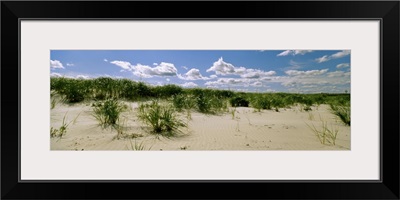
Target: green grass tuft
(161,118)
(107,112)
(138,146)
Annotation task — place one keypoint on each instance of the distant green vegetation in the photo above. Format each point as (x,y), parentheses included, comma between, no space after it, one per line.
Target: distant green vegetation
(208,101)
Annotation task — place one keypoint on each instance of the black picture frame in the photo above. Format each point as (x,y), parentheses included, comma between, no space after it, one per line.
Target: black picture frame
(386,11)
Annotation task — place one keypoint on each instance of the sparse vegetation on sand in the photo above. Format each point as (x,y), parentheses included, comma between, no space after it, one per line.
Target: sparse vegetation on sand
(325,134)
(160,107)
(60,132)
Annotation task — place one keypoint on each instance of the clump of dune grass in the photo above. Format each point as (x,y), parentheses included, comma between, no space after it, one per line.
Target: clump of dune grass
(203,103)
(218,105)
(161,118)
(325,134)
(342,112)
(179,101)
(261,102)
(107,112)
(210,103)
(183,102)
(138,146)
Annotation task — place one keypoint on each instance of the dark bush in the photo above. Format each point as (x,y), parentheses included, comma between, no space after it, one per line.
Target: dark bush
(239,102)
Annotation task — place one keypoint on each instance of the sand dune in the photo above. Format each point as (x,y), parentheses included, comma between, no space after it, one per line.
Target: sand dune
(249,130)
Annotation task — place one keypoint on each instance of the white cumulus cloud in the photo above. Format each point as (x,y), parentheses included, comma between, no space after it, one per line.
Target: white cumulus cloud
(343,65)
(194,74)
(255,73)
(256,84)
(56,64)
(145,71)
(323,59)
(306,73)
(228,81)
(221,67)
(82,77)
(333,56)
(55,74)
(163,69)
(340,54)
(189,84)
(338,74)
(123,64)
(294,52)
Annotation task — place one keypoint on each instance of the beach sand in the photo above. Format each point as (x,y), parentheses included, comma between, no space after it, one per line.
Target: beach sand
(248,130)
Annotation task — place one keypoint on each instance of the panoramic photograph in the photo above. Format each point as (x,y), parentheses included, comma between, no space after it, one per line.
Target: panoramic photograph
(200,100)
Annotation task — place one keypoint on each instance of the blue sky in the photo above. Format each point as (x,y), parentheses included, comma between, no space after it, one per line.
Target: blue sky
(300,71)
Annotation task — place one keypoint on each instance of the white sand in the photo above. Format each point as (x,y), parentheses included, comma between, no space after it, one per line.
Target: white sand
(249,130)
